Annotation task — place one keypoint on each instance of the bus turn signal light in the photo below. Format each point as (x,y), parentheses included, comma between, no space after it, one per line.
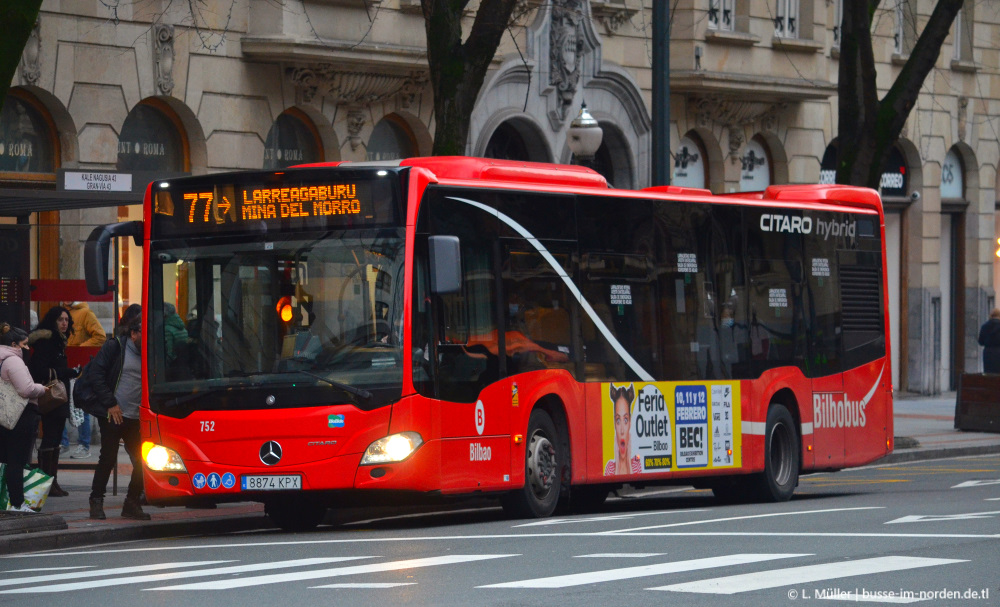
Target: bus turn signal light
(161,459)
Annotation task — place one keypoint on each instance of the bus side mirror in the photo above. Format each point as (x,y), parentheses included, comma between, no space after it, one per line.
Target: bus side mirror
(96,252)
(446,264)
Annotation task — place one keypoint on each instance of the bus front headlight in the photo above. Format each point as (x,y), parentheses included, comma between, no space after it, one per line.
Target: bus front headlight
(162,459)
(392,448)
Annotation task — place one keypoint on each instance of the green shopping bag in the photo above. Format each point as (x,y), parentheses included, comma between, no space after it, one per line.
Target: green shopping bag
(36,488)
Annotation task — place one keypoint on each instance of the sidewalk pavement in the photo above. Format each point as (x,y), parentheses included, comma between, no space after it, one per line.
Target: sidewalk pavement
(924,429)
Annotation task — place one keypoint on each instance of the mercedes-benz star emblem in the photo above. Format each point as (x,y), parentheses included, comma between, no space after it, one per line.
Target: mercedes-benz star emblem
(270,453)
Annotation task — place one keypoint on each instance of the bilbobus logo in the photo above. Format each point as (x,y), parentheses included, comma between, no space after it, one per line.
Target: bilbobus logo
(832,410)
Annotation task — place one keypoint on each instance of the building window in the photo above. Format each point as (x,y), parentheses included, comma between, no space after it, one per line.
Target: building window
(151,140)
(27,136)
(690,164)
(506,143)
(786,19)
(391,139)
(720,15)
(755,172)
(292,140)
(962,34)
(952,177)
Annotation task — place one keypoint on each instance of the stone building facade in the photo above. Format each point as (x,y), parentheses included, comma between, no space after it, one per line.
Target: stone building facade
(111,95)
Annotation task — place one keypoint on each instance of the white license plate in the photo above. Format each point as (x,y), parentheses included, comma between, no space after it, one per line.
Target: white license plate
(270,482)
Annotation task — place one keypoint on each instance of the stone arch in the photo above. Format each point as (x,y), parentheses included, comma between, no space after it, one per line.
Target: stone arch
(197,144)
(970,170)
(421,134)
(716,161)
(914,164)
(525,125)
(69,144)
(778,156)
(324,128)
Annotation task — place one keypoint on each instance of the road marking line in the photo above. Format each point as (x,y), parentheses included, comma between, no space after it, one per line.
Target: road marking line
(48,569)
(851,596)
(335,572)
(619,555)
(160,577)
(34,579)
(922,518)
(627,573)
(776,578)
(598,519)
(977,483)
(741,518)
(366,586)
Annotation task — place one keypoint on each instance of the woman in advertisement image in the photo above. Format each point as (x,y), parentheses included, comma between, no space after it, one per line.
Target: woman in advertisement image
(623,462)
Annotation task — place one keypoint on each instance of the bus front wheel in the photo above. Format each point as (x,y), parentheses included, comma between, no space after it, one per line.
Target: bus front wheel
(542,477)
(781,457)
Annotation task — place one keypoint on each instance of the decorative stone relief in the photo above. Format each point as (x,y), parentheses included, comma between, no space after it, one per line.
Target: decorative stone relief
(963,115)
(163,57)
(355,122)
(735,143)
(413,85)
(31,58)
(345,87)
(612,15)
(566,44)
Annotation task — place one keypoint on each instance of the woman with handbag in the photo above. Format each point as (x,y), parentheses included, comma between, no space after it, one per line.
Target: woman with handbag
(18,440)
(48,364)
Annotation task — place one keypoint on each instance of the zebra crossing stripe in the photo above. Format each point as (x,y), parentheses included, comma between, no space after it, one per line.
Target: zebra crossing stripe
(611,575)
(776,578)
(159,577)
(55,577)
(335,572)
(372,585)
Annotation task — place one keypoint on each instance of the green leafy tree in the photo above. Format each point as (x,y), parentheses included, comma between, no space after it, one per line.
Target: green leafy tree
(869,126)
(17,18)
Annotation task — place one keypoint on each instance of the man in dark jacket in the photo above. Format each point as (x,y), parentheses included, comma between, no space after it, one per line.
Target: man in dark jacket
(989,337)
(112,392)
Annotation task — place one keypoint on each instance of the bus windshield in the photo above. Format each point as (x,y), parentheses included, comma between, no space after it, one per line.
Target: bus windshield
(321,313)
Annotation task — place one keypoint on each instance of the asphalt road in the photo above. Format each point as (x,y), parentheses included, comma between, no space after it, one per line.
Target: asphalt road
(929,529)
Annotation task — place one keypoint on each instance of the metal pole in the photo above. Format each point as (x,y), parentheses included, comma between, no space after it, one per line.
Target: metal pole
(661,93)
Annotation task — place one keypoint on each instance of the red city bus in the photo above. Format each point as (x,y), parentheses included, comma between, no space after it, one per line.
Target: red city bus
(455,326)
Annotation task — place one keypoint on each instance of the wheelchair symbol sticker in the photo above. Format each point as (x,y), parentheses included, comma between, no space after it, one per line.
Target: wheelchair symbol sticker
(228,480)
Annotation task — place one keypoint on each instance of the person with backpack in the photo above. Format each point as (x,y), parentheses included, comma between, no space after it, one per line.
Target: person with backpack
(110,389)
(18,441)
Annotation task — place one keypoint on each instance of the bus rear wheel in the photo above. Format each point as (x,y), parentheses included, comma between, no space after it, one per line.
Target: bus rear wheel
(295,515)
(542,477)
(781,457)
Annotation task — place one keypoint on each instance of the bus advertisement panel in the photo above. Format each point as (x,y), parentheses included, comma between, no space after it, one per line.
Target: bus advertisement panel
(345,333)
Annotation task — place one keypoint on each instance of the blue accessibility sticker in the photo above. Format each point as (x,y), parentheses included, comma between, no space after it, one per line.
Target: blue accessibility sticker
(214,480)
(228,480)
(335,421)
(198,480)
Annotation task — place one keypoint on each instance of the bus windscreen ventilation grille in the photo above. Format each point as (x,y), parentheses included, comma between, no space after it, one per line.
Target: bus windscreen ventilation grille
(860,298)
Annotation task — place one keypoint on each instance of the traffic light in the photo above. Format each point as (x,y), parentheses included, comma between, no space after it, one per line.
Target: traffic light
(284,309)
(998,248)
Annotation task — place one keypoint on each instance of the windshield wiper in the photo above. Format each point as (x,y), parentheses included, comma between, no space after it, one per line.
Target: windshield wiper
(360,392)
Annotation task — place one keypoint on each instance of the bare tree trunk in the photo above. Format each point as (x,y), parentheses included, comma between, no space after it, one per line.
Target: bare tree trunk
(458,69)
(17,18)
(869,127)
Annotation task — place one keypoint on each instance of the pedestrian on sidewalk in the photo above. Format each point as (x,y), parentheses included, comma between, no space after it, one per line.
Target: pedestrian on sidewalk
(111,390)
(989,338)
(48,359)
(16,443)
(88,332)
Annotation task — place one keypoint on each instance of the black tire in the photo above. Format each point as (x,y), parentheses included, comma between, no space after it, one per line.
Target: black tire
(587,498)
(543,459)
(781,457)
(295,515)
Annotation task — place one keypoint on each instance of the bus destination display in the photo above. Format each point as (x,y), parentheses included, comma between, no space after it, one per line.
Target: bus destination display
(231,207)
